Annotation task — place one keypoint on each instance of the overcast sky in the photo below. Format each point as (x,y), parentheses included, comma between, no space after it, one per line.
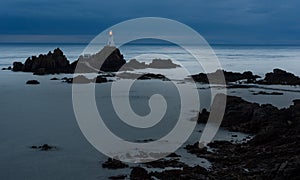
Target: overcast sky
(219,21)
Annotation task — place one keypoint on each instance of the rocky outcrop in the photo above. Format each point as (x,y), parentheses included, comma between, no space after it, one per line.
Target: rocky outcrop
(155,64)
(33,82)
(80,79)
(50,63)
(273,153)
(153,76)
(215,77)
(114,164)
(282,77)
(109,59)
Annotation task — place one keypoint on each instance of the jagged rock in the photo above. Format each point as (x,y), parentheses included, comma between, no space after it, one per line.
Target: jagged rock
(50,63)
(114,164)
(152,76)
(282,77)
(156,64)
(109,59)
(54,79)
(134,64)
(162,64)
(216,77)
(273,153)
(32,82)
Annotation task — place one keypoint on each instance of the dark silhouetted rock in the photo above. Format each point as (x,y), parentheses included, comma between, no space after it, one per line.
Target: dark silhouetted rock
(109,59)
(8,68)
(216,77)
(119,177)
(155,64)
(267,93)
(80,79)
(44,147)
(33,82)
(274,151)
(138,173)
(282,77)
(54,79)
(114,164)
(152,76)
(173,155)
(18,66)
(50,63)
(100,79)
(162,64)
(134,64)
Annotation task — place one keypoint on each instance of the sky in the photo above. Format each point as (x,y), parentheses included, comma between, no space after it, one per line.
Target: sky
(218,21)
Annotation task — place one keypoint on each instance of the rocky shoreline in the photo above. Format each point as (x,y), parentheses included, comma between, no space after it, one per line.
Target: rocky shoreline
(272,153)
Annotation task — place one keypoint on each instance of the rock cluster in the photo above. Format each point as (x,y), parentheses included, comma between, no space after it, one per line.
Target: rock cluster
(50,63)
(155,64)
(273,153)
(282,77)
(215,77)
(114,164)
(109,59)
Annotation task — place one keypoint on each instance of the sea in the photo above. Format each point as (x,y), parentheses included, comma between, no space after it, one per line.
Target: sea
(44,114)
(259,59)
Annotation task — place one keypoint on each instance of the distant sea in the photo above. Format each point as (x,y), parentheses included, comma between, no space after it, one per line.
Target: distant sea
(256,58)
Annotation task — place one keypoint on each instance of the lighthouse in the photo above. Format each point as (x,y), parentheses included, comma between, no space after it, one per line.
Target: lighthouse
(111,39)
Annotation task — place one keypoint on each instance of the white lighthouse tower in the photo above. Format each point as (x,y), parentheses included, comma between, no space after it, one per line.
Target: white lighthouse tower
(111,39)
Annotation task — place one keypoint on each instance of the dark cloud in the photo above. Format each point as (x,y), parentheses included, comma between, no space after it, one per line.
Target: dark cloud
(230,21)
